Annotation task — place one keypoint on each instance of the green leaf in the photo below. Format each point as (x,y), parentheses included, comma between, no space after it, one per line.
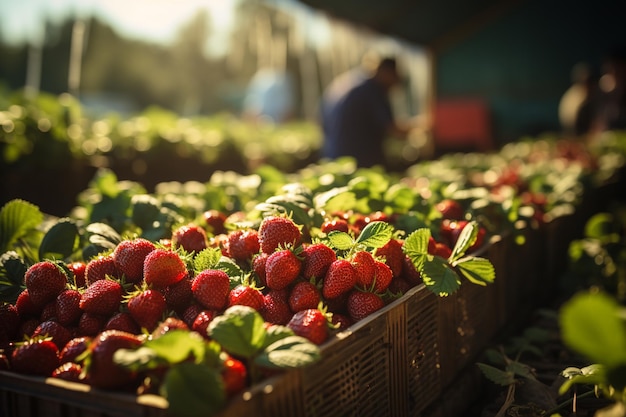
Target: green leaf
(289,352)
(240,331)
(477,270)
(275,333)
(466,239)
(60,240)
(497,376)
(145,209)
(336,199)
(340,240)
(17,219)
(178,345)
(193,390)
(375,234)
(231,268)
(12,270)
(439,277)
(520,369)
(592,375)
(415,246)
(207,259)
(591,325)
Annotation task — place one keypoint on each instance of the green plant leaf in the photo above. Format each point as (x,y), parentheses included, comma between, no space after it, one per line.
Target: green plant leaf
(466,239)
(12,270)
(60,240)
(145,209)
(275,333)
(17,219)
(439,277)
(592,375)
(591,325)
(520,369)
(497,376)
(375,234)
(207,259)
(234,271)
(240,331)
(415,246)
(193,390)
(289,352)
(477,270)
(340,240)
(178,345)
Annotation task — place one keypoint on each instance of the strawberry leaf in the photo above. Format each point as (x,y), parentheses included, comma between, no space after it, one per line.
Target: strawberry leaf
(466,239)
(60,241)
(336,199)
(234,272)
(439,277)
(589,375)
(375,234)
(240,331)
(193,390)
(275,333)
(497,376)
(415,246)
(340,240)
(17,219)
(477,270)
(289,352)
(206,259)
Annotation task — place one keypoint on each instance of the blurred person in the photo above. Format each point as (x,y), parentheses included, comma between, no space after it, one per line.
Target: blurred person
(270,96)
(357,115)
(579,106)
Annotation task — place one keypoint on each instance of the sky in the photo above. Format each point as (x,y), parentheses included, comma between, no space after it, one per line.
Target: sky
(151,20)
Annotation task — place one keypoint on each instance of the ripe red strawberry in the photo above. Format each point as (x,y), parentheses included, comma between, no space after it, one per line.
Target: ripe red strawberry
(281,269)
(277,231)
(234,375)
(276,308)
(60,335)
(364,264)
(341,321)
(201,323)
(49,311)
(191,312)
(35,357)
(78,269)
(99,268)
(129,256)
(91,324)
(259,263)
(316,258)
(311,324)
(123,321)
(361,304)
(179,295)
(211,288)
(431,245)
(410,273)
(102,371)
(304,295)
(338,224)
(44,281)
(147,307)
(74,348)
(25,306)
(68,371)
(393,254)
(443,250)
(67,307)
(9,323)
(167,325)
(215,221)
(450,209)
(246,295)
(191,237)
(163,268)
(103,297)
(339,279)
(243,244)
(383,277)
(27,327)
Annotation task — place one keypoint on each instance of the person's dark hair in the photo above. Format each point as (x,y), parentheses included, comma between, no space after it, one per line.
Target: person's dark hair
(388,63)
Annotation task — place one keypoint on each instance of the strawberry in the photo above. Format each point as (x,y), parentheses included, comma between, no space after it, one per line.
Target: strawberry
(191,237)
(129,256)
(44,281)
(100,268)
(316,258)
(35,357)
(68,371)
(341,321)
(49,311)
(215,220)
(340,278)
(102,371)
(331,225)
(103,297)
(9,323)
(67,307)
(450,209)
(77,268)
(234,375)
(443,250)
(410,273)
(276,308)
(393,255)
(259,263)
(311,324)
(170,323)
(25,306)
(281,269)
(73,348)
(60,335)
(304,295)
(179,295)
(365,266)
(124,321)
(243,244)
(277,231)
(361,304)
(383,277)
(147,307)
(191,312)
(91,324)
(163,268)
(246,295)
(431,245)
(201,323)
(211,288)
(28,326)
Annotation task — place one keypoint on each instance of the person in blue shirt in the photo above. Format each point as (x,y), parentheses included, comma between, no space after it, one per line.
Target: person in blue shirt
(357,115)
